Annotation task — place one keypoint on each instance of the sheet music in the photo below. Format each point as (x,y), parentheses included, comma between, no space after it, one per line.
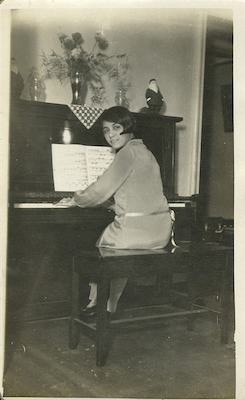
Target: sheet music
(76,166)
(98,160)
(69,167)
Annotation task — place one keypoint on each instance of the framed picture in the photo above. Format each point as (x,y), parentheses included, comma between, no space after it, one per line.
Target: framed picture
(227,107)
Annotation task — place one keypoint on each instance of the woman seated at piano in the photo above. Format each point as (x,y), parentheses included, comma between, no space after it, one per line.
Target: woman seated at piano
(142,218)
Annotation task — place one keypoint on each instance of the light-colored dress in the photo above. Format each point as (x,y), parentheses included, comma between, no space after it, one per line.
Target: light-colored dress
(142,219)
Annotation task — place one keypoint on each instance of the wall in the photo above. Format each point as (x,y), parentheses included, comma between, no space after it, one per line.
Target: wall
(167,44)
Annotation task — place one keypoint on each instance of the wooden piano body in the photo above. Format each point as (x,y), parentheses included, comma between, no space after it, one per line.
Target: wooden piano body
(41,237)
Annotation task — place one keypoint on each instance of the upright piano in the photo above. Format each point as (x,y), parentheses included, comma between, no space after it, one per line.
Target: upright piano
(41,236)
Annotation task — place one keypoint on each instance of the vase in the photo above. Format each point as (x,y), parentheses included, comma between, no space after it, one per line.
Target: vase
(77,84)
(121,99)
(36,89)
(36,85)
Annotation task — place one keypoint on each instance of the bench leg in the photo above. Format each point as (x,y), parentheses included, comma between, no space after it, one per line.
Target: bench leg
(103,334)
(73,326)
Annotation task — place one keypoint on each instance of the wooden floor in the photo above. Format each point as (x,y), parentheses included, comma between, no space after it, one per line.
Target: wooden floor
(164,361)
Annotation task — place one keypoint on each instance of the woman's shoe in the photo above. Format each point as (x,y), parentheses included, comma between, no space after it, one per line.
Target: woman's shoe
(88,312)
(111,315)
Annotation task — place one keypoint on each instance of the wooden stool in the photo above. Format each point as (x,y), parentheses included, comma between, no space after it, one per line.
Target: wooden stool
(104,265)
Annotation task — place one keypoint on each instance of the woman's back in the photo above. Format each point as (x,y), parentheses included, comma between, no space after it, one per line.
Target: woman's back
(142,191)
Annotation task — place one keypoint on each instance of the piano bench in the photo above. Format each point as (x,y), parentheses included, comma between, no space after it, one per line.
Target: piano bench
(104,265)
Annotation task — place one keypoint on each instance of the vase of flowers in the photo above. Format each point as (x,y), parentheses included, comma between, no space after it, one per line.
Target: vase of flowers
(83,69)
(121,77)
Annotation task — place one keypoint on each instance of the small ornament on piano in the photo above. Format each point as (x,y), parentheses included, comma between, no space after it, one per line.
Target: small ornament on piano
(17,82)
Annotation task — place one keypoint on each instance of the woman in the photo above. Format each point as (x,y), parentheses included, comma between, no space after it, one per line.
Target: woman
(142,218)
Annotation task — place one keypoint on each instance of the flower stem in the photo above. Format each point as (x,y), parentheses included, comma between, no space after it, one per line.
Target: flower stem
(93,49)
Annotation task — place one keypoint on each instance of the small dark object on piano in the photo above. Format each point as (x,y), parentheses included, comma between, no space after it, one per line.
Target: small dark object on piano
(154,98)
(17,82)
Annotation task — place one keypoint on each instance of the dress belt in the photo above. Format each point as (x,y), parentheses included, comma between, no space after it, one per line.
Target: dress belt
(143,214)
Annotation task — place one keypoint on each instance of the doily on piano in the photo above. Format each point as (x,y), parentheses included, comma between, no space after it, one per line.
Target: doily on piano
(86,115)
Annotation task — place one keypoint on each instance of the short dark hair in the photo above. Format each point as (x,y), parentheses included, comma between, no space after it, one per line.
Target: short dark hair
(122,116)
(153,79)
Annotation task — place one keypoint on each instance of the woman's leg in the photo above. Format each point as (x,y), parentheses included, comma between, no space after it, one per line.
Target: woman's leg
(92,295)
(116,288)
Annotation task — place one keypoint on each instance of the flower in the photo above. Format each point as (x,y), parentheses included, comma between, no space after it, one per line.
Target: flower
(102,42)
(77,37)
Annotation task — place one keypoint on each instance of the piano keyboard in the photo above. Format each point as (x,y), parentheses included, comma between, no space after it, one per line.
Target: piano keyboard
(38,205)
(53,205)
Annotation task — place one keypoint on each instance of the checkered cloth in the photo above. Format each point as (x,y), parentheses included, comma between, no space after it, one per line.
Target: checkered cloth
(86,115)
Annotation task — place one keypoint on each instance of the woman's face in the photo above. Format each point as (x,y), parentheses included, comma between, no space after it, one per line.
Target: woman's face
(112,133)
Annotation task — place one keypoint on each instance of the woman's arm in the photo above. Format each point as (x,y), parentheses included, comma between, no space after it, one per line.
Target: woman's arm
(108,183)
